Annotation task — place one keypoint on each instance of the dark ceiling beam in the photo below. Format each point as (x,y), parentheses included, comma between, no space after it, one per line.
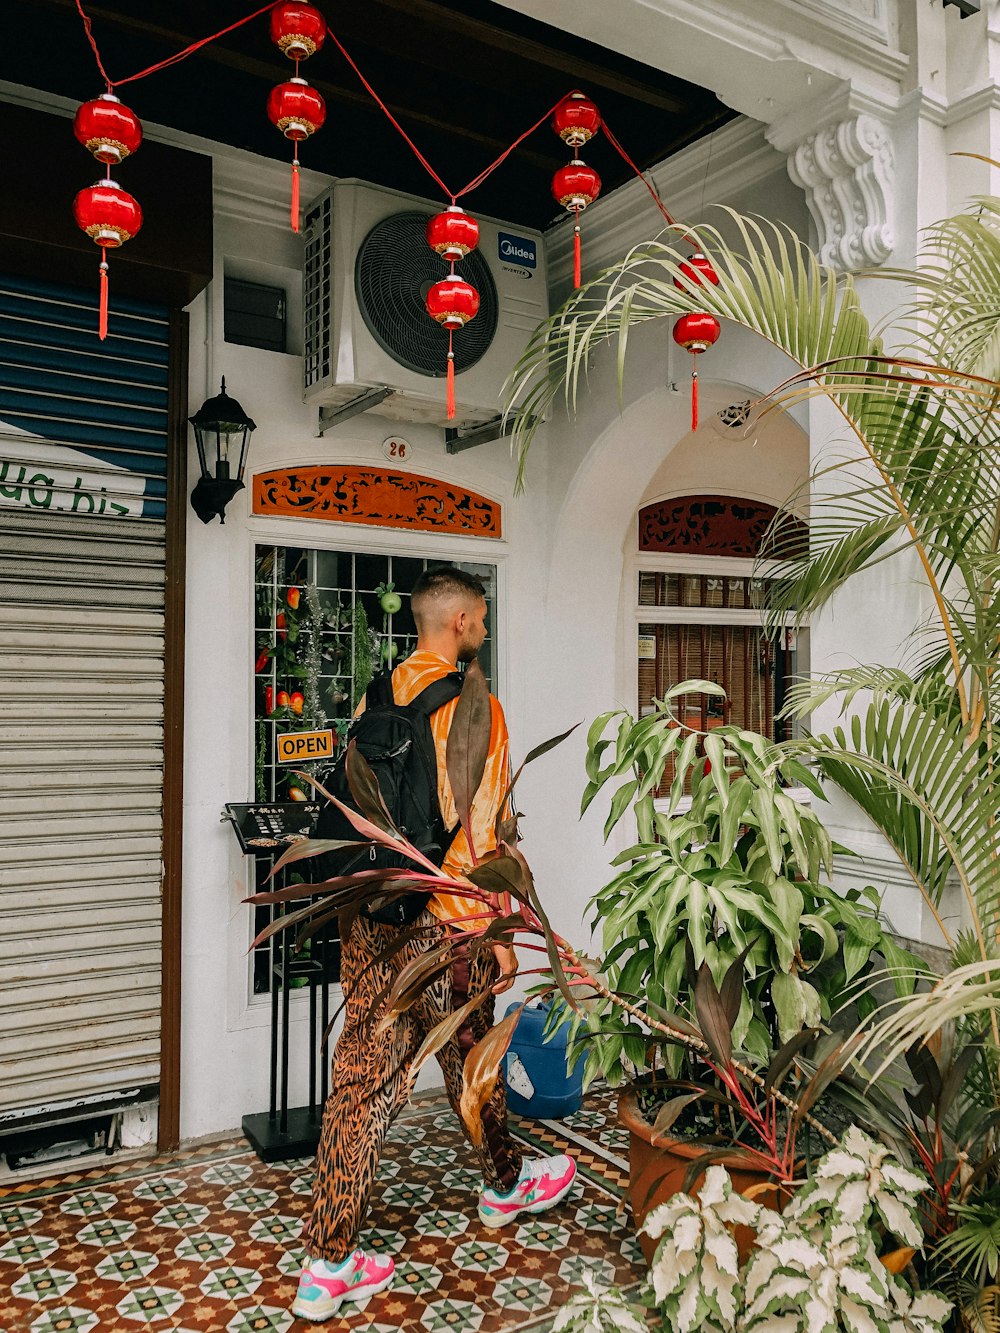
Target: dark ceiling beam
(335,93)
(467,28)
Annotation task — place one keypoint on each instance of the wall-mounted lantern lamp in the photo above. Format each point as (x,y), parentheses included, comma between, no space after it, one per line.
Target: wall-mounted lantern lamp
(222,431)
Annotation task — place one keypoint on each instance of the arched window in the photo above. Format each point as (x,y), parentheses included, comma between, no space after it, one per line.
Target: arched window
(699,594)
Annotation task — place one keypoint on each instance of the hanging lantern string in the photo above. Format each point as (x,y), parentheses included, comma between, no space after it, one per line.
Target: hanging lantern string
(93,45)
(452,195)
(478,180)
(642,175)
(374,95)
(170,60)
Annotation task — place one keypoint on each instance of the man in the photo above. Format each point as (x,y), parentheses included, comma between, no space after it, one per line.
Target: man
(370,1070)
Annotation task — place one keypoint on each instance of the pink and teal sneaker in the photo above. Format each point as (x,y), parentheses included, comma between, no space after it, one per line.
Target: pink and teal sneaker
(324,1286)
(543,1182)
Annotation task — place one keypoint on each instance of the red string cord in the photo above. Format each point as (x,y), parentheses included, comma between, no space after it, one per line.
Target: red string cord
(93,46)
(478,180)
(648,184)
(374,95)
(170,60)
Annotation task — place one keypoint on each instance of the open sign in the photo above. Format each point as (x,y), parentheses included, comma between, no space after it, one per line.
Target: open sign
(295,747)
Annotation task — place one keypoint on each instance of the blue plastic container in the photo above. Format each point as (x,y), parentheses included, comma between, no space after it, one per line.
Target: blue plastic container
(538,1084)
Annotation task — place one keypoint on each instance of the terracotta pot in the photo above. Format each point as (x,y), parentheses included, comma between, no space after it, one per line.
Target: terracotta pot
(656,1174)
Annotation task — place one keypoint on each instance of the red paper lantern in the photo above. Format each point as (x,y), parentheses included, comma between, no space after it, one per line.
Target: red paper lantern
(452,234)
(110,217)
(297,30)
(297,111)
(576,119)
(575,186)
(107,128)
(452,302)
(698,270)
(696,332)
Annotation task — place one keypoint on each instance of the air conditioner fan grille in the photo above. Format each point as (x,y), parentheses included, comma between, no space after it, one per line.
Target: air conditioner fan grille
(392,272)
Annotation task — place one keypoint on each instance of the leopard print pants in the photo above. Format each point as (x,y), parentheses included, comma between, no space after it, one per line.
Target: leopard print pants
(369,1081)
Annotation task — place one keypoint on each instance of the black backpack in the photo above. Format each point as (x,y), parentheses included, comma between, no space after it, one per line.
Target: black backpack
(397,742)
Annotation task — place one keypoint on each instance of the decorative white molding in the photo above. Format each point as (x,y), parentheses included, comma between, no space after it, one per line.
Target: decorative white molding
(847,173)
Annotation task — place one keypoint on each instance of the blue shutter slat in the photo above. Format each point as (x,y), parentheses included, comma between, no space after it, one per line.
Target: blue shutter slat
(58,381)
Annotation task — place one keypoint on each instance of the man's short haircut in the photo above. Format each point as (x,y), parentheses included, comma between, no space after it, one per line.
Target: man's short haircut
(443,583)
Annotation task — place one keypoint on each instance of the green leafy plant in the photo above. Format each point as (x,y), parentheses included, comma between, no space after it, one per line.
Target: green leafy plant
(816,1267)
(738,874)
(915,477)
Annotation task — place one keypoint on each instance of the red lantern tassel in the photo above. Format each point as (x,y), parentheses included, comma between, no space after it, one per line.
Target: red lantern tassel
(694,398)
(576,250)
(295,190)
(451,380)
(102,318)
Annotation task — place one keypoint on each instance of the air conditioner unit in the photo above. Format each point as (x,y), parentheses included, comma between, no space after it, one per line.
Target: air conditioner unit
(367,270)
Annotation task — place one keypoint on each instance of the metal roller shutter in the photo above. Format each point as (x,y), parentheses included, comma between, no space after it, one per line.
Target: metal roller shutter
(83,435)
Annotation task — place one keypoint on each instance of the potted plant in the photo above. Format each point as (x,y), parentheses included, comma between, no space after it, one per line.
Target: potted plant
(725,884)
(919,474)
(815,1269)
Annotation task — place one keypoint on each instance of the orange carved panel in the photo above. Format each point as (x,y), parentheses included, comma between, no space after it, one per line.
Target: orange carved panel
(376,496)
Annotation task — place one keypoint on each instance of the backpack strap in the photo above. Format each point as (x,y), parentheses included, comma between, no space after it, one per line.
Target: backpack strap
(379,691)
(428,701)
(437,694)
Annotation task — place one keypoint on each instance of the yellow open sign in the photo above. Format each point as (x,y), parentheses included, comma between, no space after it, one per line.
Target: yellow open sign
(295,747)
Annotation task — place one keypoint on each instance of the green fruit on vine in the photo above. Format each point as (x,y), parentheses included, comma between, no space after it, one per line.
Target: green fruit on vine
(390,651)
(390,602)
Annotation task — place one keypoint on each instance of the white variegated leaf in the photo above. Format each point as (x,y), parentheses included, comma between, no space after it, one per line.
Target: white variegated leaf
(856,1318)
(903,1180)
(929,1305)
(688,1308)
(796,1251)
(781,1289)
(839,1163)
(687,1232)
(864,1286)
(722,1248)
(715,1187)
(899,1219)
(852,1201)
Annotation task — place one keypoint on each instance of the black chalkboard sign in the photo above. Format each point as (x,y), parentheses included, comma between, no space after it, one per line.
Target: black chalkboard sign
(269,829)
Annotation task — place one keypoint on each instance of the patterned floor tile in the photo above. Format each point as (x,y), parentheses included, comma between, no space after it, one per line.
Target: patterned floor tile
(228,1173)
(166,1187)
(66,1319)
(205,1245)
(208,1240)
(278,1227)
(126,1265)
(462,1315)
(482,1256)
(18,1218)
(231,1283)
(44,1284)
(436,1223)
(88,1202)
(146,1305)
(250,1201)
(527,1294)
(573,1267)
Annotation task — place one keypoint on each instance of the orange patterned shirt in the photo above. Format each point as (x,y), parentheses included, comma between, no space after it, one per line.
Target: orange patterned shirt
(414,674)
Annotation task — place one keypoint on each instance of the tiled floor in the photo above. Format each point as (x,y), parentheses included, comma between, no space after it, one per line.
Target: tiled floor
(207,1240)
